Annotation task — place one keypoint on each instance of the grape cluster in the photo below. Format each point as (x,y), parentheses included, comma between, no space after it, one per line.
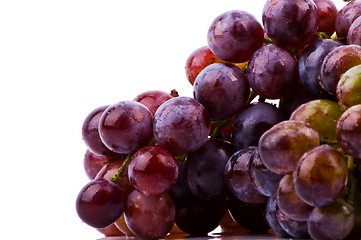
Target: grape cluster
(270,142)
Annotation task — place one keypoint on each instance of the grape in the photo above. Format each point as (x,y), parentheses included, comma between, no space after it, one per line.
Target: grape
(238,178)
(90,134)
(337,62)
(346,16)
(93,163)
(320,176)
(327,13)
(263,179)
(100,203)
(348,131)
(354,33)
(204,169)
(297,229)
(126,126)
(272,71)
(349,87)
(251,122)
(223,89)
(281,146)
(199,217)
(289,202)
(153,170)
(321,115)
(152,99)
(149,217)
(181,125)
(333,221)
(122,226)
(290,23)
(234,36)
(197,61)
(271,218)
(310,62)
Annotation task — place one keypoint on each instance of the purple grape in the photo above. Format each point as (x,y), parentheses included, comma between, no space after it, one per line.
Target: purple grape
(234,36)
(126,126)
(238,178)
(100,203)
(271,218)
(354,33)
(251,122)
(327,13)
(93,163)
(297,229)
(204,169)
(309,65)
(153,170)
(320,176)
(223,89)
(152,99)
(290,23)
(181,125)
(272,72)
(336,63)
(346,17)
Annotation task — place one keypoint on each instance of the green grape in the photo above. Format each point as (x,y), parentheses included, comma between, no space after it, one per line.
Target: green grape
(349,87)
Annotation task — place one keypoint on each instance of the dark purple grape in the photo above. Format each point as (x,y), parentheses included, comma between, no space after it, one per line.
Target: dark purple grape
(348,131)
(126,126)
(309,65)
(272,72)
(149,217)
(249,215)
(90,134)
(223,89)
(204,169)
(197,61)
(100,203)
(327,13)
(238,178)
(297,229)
(346,17)
(320,176)
(290,23)
(331,222)
(271,218)
(262,178)
(349,88)
(93,163)
(354,33)
(281,146)
(336,63)
(251,122)
(289,202)
(152,99)
(181,125)
(199,217)
(153,170)
(234,36)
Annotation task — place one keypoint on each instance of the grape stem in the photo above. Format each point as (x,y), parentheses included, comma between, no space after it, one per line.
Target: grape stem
(221,124)
(119,173)
(351,166)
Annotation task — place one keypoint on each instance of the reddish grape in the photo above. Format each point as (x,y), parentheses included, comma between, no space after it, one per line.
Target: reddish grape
(354,33)
(90,134)
(349,87)
(290,23)
(282,145)
(320,176)
(152,99)
(346,17)
(181,125)
(234,36)
(149,217)
(272,72)
(100,203)
(336,63)
(126,126)
(327,12)
(197,61)
(93,163)
(153,170)
(348,131)
(271,218)
(238,179)
(297,229)
(223,89)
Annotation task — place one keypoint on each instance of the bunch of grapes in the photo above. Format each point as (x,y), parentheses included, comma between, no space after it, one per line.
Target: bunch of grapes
(270,143)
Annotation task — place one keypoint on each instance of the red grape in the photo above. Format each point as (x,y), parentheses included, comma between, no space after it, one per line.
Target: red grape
(93,163)
(152,99)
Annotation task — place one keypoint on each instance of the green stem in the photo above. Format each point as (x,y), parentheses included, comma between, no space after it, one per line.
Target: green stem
(268,41)
(329,142)
(252,96)
(221,124)
(119,173)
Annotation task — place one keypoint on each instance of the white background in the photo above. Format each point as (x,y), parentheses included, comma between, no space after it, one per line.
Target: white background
(61,59)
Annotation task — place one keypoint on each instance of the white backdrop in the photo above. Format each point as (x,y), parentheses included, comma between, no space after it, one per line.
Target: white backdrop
(61,59)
